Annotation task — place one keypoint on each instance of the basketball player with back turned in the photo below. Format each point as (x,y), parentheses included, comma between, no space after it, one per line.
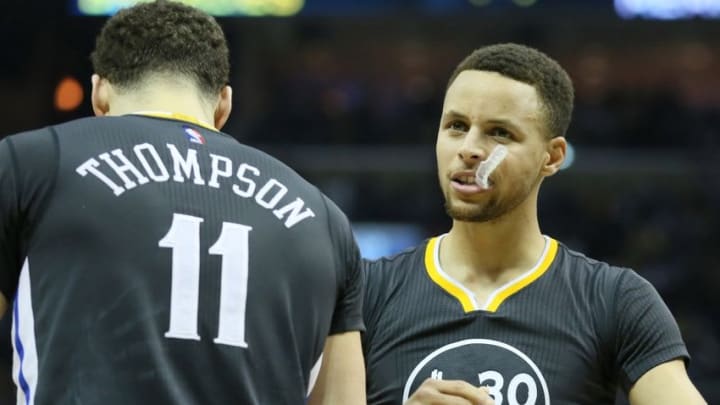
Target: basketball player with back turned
(147,258)
(495,302)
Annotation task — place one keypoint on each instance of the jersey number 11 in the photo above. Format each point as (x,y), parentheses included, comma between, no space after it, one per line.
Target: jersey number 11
(233,245)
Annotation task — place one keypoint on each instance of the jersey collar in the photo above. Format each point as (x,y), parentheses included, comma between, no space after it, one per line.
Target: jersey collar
(466,297)
(176,116)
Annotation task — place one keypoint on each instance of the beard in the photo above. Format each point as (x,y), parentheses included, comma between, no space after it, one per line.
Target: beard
(492,209)
(476,212)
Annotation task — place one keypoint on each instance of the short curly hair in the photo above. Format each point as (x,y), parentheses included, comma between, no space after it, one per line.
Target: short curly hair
(533,67)
(162,37)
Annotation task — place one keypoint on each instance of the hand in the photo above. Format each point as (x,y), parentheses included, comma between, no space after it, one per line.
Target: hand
(449,392)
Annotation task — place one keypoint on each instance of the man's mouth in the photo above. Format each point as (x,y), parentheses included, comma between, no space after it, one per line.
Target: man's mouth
(465,182)
(466,179)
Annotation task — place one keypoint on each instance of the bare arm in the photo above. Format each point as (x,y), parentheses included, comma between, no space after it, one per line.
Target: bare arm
(342,374)
(3,305)
(666,384)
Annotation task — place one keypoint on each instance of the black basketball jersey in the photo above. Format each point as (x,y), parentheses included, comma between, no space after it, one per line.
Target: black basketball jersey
(154,260)
(571,330)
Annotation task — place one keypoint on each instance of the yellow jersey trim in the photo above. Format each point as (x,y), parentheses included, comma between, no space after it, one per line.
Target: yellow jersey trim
(176,116)
(452,287)
(465,297)
(497,298)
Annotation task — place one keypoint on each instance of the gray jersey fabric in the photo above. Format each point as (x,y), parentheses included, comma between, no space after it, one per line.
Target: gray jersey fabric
(156,261)
(572,330)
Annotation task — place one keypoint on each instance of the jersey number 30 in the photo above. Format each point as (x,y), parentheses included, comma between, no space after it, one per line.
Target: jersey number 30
(232,244)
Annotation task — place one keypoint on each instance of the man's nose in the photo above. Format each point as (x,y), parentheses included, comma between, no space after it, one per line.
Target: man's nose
(472,151)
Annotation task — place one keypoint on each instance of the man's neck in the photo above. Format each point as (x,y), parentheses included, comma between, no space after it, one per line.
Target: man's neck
(179,101)
(487,255)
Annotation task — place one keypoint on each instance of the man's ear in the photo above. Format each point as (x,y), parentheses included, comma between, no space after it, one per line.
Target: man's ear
(100,96)
(223,107)
(554,155)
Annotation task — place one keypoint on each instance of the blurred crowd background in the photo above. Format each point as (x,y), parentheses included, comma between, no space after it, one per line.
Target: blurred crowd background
(349,93)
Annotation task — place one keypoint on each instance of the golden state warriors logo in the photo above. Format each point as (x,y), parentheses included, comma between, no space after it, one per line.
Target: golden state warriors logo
(510,375)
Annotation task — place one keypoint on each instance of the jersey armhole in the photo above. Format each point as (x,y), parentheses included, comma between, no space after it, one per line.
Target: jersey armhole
(52,178)
(52,168)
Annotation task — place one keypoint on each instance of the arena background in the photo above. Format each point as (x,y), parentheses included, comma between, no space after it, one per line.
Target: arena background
(349,93)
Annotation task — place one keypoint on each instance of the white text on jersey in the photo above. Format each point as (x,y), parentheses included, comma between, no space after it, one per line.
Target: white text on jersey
(151,167)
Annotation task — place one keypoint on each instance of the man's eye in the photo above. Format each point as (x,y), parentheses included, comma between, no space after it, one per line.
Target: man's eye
(500,133)
(458,126)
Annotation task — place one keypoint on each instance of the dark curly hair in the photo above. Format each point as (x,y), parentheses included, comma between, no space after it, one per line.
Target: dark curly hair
(162,37)
(529,66)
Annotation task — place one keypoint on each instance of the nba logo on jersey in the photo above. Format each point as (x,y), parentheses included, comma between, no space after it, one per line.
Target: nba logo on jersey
(193,135)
